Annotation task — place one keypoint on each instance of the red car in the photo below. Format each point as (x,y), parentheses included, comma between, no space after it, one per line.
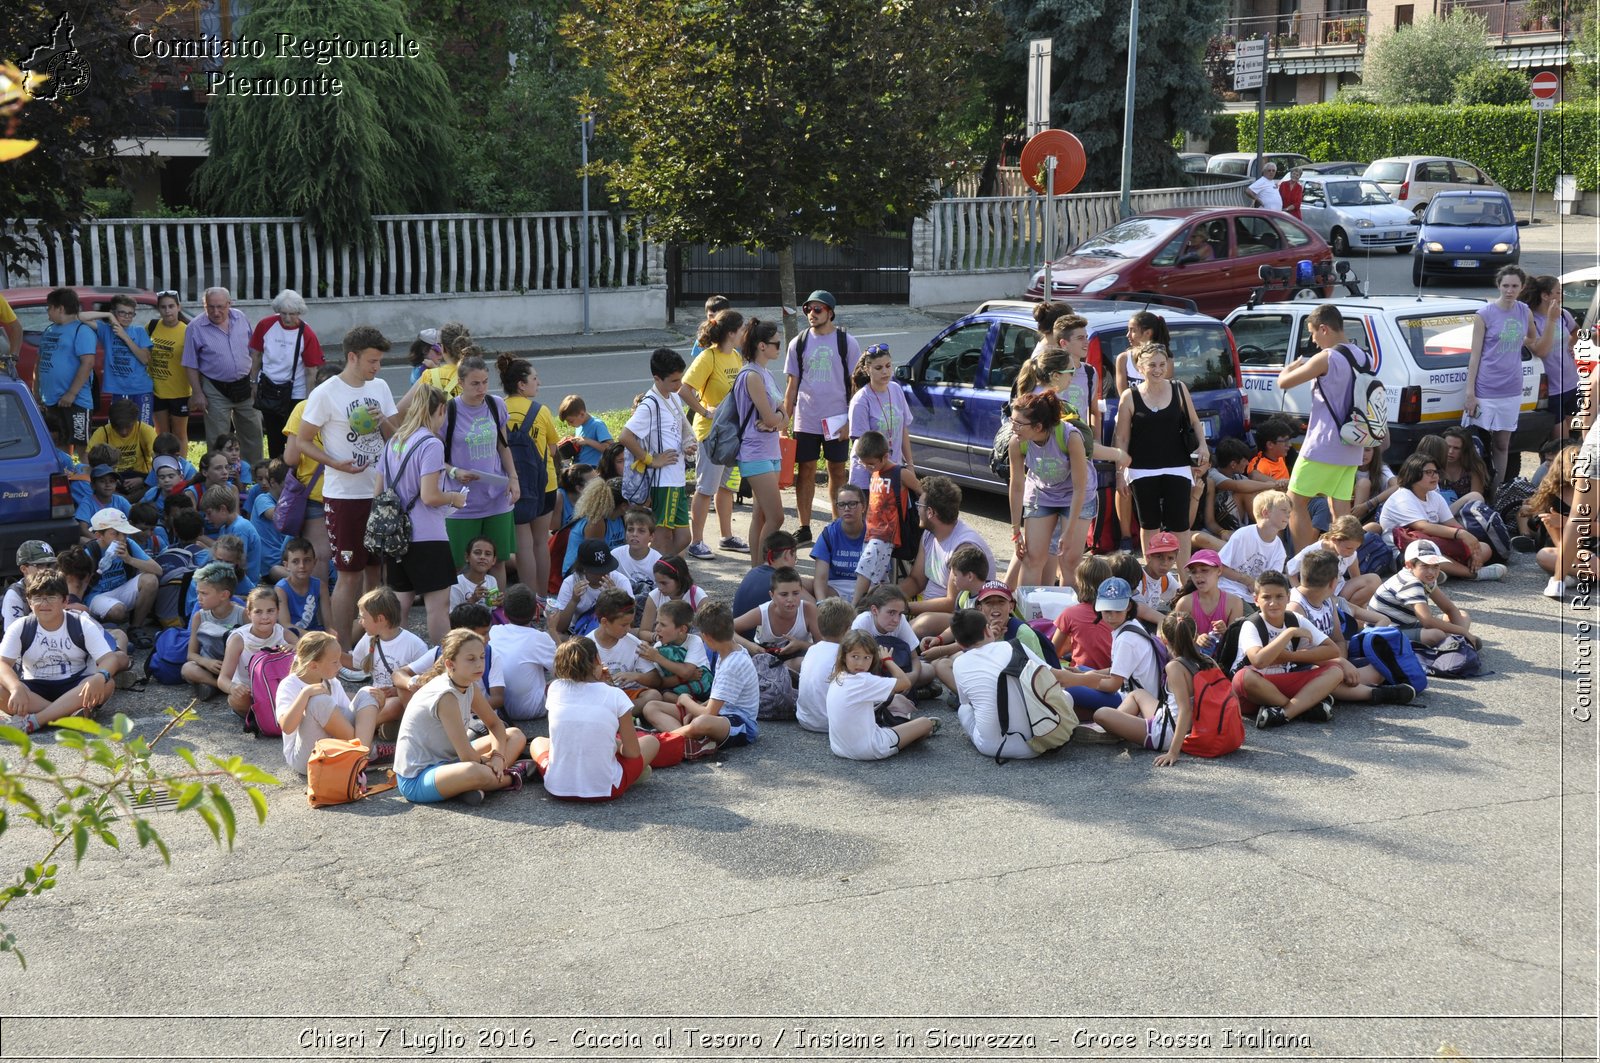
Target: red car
(29,306)
(1210,255)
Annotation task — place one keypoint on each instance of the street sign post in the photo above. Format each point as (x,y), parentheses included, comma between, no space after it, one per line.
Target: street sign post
(1250,72)
(1038,85)
(1542,89)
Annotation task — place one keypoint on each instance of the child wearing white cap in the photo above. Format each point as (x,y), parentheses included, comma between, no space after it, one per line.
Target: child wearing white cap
(1405,598)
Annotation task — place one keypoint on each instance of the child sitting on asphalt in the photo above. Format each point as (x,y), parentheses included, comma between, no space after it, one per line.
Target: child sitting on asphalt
(302,600)
(1343,537)
(476,582)
(262,632)
(785,625)
(1212,608)
(53,664)
(382,650)
(1158,583)
(215,619)
(859,688)
(883,616)
(1405,598)
(594,571)
(527,656)
(728,716)
(1133,655)
(1159,720)
(1258,548)
(312,703)
(834,617)
(1316,599)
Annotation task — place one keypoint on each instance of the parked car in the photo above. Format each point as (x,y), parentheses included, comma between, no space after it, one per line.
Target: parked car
(1334,169)
(1466,232)
(1193,161)
(1422,346)
(1151,253)
(957,383)
(1580,295)
(29,303)
(1413,180)
(1243,163)
(1351,212)
(33,482)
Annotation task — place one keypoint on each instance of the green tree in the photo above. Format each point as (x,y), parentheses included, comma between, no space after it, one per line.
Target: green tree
(1173,89)
(1491,83)
(381,146)
(1584,71)
(756,123)
(1421,63)
(95,98)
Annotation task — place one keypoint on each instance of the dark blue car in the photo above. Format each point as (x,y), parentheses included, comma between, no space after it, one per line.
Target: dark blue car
(35,496)
(957,384)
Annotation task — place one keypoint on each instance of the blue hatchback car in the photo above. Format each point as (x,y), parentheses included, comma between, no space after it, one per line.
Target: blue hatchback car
(1466,232)
(957,384)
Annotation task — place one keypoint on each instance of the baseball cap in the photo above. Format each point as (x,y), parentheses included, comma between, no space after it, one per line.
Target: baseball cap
(102,470)
(165,461)
(1204,557)
(1424,550)
(430,336)
(995,587)
(109,519)
(1114,593)
(36,552)
(824,297)
(594,556)
(1162,543)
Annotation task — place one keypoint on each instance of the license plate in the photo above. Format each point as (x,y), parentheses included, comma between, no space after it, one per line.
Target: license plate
(1465,263)
(1391,236)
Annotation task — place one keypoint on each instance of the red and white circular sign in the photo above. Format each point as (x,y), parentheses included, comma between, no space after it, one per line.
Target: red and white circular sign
(1544,86)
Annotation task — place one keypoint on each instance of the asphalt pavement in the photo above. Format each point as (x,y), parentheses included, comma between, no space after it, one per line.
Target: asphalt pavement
(1403,882)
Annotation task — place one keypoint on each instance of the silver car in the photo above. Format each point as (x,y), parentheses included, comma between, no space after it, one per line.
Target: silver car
(1354,213)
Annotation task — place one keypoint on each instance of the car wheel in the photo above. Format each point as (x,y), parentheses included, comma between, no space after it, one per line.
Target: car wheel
(1416,272)
(1417,210)
(1339,242)
(1402,250)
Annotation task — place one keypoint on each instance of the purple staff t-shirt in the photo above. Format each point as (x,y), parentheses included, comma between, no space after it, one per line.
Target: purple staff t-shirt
(823,385)
(887,413)
(1500,366)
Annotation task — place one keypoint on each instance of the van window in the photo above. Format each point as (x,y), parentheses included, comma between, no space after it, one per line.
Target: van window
(1437,341)
(1015,347)
(1263,339)
(24,442)
(1434,173)
(1387,172)
(1200,354)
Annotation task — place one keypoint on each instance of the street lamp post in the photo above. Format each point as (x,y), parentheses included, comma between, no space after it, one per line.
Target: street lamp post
(585,132)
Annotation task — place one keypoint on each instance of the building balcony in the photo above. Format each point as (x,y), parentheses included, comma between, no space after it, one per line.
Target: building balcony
(1298,35)
(1514,18)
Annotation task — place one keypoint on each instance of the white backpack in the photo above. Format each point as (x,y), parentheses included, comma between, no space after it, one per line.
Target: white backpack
(1032,704)
(1367,423)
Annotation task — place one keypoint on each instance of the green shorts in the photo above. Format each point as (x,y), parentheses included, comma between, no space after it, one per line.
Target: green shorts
(1312,478)
(499,529)
(671,506)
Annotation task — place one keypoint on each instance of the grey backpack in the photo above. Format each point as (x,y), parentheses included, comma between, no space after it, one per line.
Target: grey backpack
(727,427)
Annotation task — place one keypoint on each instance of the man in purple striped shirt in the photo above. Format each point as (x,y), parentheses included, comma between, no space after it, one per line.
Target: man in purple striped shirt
(223,372)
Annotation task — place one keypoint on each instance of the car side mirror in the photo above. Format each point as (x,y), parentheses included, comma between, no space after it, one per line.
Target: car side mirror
(1522,223)
(902,373)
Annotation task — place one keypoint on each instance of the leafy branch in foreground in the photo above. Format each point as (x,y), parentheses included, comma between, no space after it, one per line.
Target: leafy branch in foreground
(113,782)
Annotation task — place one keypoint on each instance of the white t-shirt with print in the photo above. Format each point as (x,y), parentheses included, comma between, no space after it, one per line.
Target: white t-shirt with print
(639,572)
(811,701)
(526,657)
(853,730)
(53,655)
(464,589)
(15,606)
(583,738)
(352,430)
(622,657)
(1134,659)
(1250,639)
(405,647)
(1404,508)
(577,586)
(659,423)
(903,632)
(1246,552)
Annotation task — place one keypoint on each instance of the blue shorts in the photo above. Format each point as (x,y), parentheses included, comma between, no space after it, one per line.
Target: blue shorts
(1090,510)
(748,469)
(419,788)
(741,727)
(146,404)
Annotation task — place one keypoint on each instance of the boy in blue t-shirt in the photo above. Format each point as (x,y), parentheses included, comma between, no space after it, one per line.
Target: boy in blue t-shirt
(102,496)
(592,432)
(728,715)
(221,508)
(127,347)
(66,368)
(262,511)
(116,594)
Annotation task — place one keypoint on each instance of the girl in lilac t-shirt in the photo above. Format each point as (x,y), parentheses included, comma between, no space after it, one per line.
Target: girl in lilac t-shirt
(757,398)
(412,465)
(477,444)
(1553,334)
(1494,372)
(879,405)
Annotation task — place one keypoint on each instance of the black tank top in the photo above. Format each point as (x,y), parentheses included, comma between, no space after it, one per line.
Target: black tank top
(1156,441)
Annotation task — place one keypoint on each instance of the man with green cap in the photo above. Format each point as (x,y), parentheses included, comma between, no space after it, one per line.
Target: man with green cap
(820,363)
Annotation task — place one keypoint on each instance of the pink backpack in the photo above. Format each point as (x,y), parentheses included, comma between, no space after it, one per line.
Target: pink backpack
(267,671)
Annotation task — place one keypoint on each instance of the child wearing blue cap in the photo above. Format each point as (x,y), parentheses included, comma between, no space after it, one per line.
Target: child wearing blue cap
(1134,665)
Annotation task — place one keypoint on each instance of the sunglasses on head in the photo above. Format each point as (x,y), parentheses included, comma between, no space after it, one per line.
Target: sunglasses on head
(166,292)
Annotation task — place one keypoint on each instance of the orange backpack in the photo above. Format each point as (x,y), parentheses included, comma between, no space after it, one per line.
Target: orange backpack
(333,774)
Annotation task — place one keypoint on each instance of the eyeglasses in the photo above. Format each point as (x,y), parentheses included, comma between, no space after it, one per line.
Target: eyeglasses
(1020,424)
(124,313)
(849,505)
(1431,471)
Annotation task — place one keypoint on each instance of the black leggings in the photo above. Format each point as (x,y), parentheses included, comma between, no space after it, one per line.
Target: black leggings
(1162,502)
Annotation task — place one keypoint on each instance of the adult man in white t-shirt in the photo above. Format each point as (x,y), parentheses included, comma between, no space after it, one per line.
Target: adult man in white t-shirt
(352,414)
(657,433)
(1264,189)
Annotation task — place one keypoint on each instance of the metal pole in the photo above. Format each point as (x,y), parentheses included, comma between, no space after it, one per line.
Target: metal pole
(1538,139)
(1127,110)
(1049,224)
(584,126)
(1261,114)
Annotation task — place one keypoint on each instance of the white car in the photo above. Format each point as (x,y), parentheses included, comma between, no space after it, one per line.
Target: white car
(1580,295)
(1413,180)
(1352,213)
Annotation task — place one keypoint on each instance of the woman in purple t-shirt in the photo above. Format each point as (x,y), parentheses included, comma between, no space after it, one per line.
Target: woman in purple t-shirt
(759,400)
(1494,372)
(879,405)
(475,442)
(1047,482)
(411,463)
(1556,331)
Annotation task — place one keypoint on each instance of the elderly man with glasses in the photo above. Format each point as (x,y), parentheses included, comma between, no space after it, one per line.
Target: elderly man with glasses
(821,362)
(222,372)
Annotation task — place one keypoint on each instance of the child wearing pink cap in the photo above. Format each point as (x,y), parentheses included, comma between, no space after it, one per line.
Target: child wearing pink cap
(1203,599)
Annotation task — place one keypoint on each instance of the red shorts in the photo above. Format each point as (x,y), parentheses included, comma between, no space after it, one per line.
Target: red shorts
(347,532)
(632,768)
(1454,549)
(1289,683)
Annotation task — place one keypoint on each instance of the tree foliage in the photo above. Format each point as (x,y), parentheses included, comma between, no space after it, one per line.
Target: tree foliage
(76,131)
(1421,63)
(1584,71)
(1173,89)
(111,786)
(754,124)
(382,146)
(1491,83)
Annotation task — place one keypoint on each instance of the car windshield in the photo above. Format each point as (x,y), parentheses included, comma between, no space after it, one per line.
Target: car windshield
(1459,212)
(1438,339)
(1200,355)
(1129,239)
(1356,194)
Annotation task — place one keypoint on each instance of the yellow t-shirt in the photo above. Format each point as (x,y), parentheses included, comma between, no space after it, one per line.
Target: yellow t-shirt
(545,435)
(7,315)
(444,378)
(306,468)
(135,451)
(166,361)
(712,374)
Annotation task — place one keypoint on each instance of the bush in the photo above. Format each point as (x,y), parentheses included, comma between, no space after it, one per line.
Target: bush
(1493,84)
(1421,63)
(1498,139)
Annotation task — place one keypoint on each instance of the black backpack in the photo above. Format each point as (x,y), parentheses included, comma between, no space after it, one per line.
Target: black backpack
(844,358)
(30,631)
(910,524)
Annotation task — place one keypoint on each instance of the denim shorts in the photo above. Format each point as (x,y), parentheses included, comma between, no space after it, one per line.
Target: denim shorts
(419,788)
(748,469)
(1090,510)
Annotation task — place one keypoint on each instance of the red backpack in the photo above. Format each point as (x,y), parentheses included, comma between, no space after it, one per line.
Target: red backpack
(1215,725)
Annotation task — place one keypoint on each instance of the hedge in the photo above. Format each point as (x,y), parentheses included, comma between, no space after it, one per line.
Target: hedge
(1497,139)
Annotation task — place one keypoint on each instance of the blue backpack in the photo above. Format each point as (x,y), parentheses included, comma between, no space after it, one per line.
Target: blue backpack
(1389,651)
(1377,556)
(168,656)
(533,472)
(1454,658)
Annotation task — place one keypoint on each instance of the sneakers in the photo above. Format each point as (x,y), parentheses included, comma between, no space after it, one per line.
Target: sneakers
(1491,572)
(927,692)
(477,728)
(700,552)
(733,542)
(203,691)
(1093,734)
(126,679)
(382,752)
(1393,694)
(1321,712)
(1523,544)
(141,639)
(1556,588)
(1269,716)
(803,535)
(471,797)
(353,676)
(695,748)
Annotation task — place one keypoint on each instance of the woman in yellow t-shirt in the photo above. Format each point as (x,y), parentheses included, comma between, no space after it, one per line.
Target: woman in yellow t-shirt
(520,382)
(706,383)
(305,470)
(166,368)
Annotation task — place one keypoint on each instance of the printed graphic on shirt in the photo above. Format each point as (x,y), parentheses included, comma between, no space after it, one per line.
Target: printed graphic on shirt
(366,435)
(480,439)
(822,363)
(1050,469)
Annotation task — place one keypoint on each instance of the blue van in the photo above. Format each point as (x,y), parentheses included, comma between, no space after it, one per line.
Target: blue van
(957,384)
(35,495)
